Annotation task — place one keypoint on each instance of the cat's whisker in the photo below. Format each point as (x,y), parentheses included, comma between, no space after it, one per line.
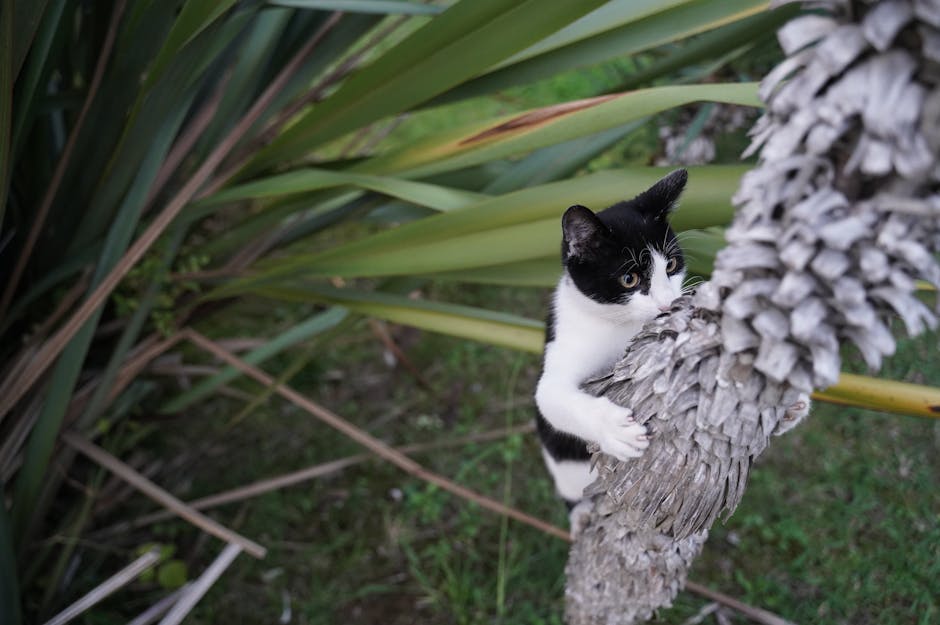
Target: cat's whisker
(691,283)
(691,234)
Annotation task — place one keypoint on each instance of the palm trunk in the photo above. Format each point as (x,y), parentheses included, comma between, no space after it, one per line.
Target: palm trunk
(833,227)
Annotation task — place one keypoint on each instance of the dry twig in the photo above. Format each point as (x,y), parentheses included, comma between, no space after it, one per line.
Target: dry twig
(302,475)
(161,496)
(109,586)
(201,585)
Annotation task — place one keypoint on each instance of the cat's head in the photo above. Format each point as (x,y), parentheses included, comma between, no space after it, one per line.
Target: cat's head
(628,255)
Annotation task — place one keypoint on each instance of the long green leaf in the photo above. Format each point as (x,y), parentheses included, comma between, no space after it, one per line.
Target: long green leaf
(714,44)
(883,395)
(181,78)
(9,583)
(527,335)
(68,367)
(559,161)
(611,15)
(538,272)
(481,142)
(630,37)
(476,324)
(317,324)
(27,14)
(467,38)
(519,226)
(26,87)
(129,335)
(6,101)
(309,179)
(383,7)
(699,247)
(195,16)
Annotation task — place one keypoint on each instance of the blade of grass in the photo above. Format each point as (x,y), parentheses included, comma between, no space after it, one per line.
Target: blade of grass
(502,566)
(383,7)
(304,330)
(298,364)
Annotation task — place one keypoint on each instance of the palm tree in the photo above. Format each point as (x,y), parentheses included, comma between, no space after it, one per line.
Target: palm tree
(834,228)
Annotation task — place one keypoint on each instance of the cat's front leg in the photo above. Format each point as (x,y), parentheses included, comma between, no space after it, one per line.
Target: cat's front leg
(619,435)
(794,415)
(595,419)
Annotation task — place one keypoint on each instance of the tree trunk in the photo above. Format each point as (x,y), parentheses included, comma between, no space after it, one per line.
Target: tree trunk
(833,227)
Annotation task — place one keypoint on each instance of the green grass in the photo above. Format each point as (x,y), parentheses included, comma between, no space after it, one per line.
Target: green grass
(839,525)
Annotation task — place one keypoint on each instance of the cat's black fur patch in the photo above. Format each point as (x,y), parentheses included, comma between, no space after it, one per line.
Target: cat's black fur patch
(597,249)
(560,445)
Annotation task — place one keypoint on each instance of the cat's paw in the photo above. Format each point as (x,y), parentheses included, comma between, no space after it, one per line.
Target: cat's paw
(619,434)
(794,414)
(579,517)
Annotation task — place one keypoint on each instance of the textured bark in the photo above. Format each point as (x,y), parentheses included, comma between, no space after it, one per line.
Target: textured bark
(833,227)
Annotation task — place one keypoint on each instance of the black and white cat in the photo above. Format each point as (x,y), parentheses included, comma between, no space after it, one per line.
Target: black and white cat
(622,267)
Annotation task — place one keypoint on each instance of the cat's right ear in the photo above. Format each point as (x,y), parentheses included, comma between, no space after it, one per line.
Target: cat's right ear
(582,232)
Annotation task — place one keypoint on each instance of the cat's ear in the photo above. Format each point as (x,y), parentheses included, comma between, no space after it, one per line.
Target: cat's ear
(661,199)
(582,232)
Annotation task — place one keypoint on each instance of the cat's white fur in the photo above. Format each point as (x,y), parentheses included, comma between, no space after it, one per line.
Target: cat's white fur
(589,338)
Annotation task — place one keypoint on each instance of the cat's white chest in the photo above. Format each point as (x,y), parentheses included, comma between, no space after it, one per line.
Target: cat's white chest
(589,337)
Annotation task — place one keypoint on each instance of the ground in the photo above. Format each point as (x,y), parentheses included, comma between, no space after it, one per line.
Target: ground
(840,522)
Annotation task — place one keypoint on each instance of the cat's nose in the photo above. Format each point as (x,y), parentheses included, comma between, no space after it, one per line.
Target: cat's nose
(665,308)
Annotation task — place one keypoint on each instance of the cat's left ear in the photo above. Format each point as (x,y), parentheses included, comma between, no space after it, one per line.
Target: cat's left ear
(582,233)
(662,198)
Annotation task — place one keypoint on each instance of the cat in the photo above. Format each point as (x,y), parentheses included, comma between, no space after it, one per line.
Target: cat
(623,266)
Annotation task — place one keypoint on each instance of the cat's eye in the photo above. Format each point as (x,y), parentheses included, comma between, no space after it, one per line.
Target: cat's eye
(672,265)
(630,280)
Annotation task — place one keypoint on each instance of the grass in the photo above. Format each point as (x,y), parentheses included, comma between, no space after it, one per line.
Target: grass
(840,523)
